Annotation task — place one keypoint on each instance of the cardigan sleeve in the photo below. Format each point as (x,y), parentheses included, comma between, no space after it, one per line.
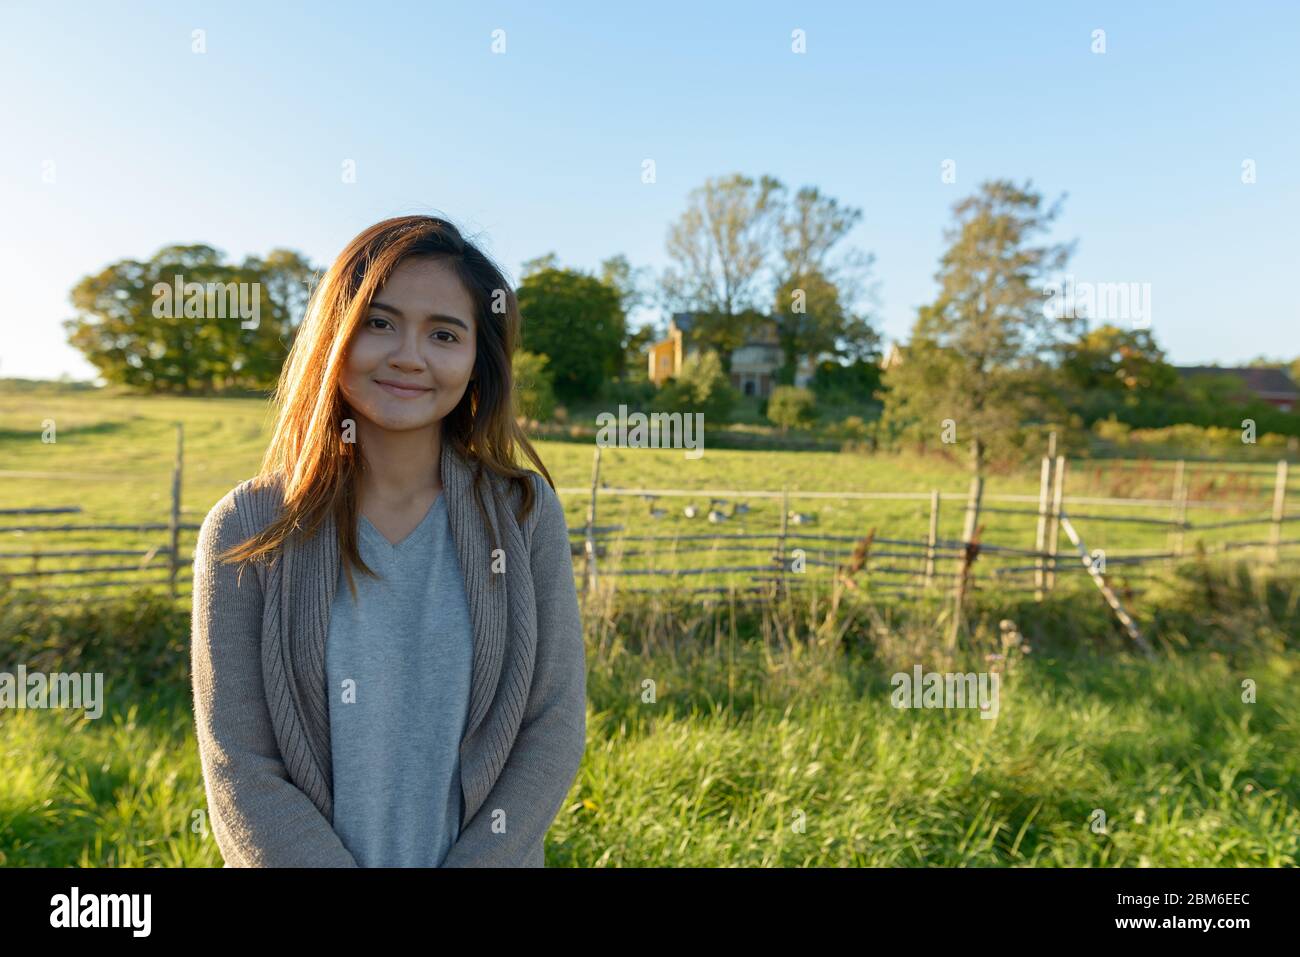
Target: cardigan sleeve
(259,817)
(547,751)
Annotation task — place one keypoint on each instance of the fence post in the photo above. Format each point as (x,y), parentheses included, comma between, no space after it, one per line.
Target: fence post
(968,535)
(933,539)
(1054,522)
(785,515)
(174,524)
(1040,539)
(589,578)
(1180,504)
(1279,505)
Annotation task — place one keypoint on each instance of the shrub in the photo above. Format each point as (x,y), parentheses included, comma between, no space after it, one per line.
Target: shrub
(534,385)
(790,406)
(635,393)
(1185,439)
(701,386)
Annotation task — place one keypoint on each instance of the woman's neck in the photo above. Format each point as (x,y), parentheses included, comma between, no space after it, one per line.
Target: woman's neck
(399,466)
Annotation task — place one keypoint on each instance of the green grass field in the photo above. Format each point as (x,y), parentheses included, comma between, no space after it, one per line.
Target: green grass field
(772,740)
(769,742)
(113,458)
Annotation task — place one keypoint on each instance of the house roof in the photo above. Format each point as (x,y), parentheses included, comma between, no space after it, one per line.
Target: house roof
(1274,383)
(684,321)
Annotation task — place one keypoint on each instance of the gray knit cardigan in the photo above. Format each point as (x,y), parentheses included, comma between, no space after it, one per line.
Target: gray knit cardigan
(258,669)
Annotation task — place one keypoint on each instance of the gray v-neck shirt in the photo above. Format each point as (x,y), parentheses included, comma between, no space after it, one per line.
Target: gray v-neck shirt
(398,662)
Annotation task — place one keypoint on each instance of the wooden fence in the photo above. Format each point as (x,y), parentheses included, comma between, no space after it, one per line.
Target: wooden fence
(912,567)
(163,557)
(898,567)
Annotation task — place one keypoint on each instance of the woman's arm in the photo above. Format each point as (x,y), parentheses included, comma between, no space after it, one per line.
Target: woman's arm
(260,818)
(547,752)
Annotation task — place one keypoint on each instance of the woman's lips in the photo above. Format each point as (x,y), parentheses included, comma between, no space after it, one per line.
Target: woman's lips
(399,391)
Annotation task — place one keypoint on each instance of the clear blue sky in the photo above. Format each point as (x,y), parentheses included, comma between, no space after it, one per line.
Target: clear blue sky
(540,149)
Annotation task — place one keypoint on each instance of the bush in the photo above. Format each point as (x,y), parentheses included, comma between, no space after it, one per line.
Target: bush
(142,639)
(1210,441)
(857,382)
(790,406)
(635,393)
(1112,430)
(534,385)
(853,428)
(702,386)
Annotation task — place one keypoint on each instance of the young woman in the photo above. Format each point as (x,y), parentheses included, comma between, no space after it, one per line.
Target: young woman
(433,712)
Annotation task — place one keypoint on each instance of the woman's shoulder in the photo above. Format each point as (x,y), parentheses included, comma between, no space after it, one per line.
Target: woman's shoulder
(246,508)
(546,503)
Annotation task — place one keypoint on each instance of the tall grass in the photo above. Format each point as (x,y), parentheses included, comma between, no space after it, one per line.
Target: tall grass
(762,734)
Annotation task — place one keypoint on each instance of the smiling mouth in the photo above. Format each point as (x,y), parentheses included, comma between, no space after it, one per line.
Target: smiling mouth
(406,393)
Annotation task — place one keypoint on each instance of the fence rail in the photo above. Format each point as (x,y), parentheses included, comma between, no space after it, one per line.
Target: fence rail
(901,566)
(936,560)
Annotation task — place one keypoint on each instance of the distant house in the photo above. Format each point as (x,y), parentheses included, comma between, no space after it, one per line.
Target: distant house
(1273,386)
(754,363)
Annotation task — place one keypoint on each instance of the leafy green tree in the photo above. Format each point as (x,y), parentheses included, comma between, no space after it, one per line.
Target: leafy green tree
(1109,371)
(137,333)
(978,364)
(1118,360)
(809,318)
(575,320)
(840,383)
(635,348)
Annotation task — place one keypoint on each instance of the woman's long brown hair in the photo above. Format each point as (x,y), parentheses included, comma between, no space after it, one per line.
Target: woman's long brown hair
(307,455)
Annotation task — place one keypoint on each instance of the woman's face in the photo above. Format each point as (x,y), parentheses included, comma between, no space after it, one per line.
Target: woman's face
(418,332)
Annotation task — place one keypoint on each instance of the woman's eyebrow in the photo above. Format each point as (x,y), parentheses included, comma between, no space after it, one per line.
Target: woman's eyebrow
(432,317)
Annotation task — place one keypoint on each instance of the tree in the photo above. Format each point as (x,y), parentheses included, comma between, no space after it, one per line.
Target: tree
(133,328)
(575,320)
(840,383)
(809,319)
(816,298)
(628,280)
(790,407)
(743,245)
(1118,360)
(978,360)
(635,347)
(720,247)
(1113,371)
(538,263)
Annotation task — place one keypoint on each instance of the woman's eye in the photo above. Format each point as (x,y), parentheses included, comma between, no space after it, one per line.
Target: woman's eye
(450,336)
(376,319)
